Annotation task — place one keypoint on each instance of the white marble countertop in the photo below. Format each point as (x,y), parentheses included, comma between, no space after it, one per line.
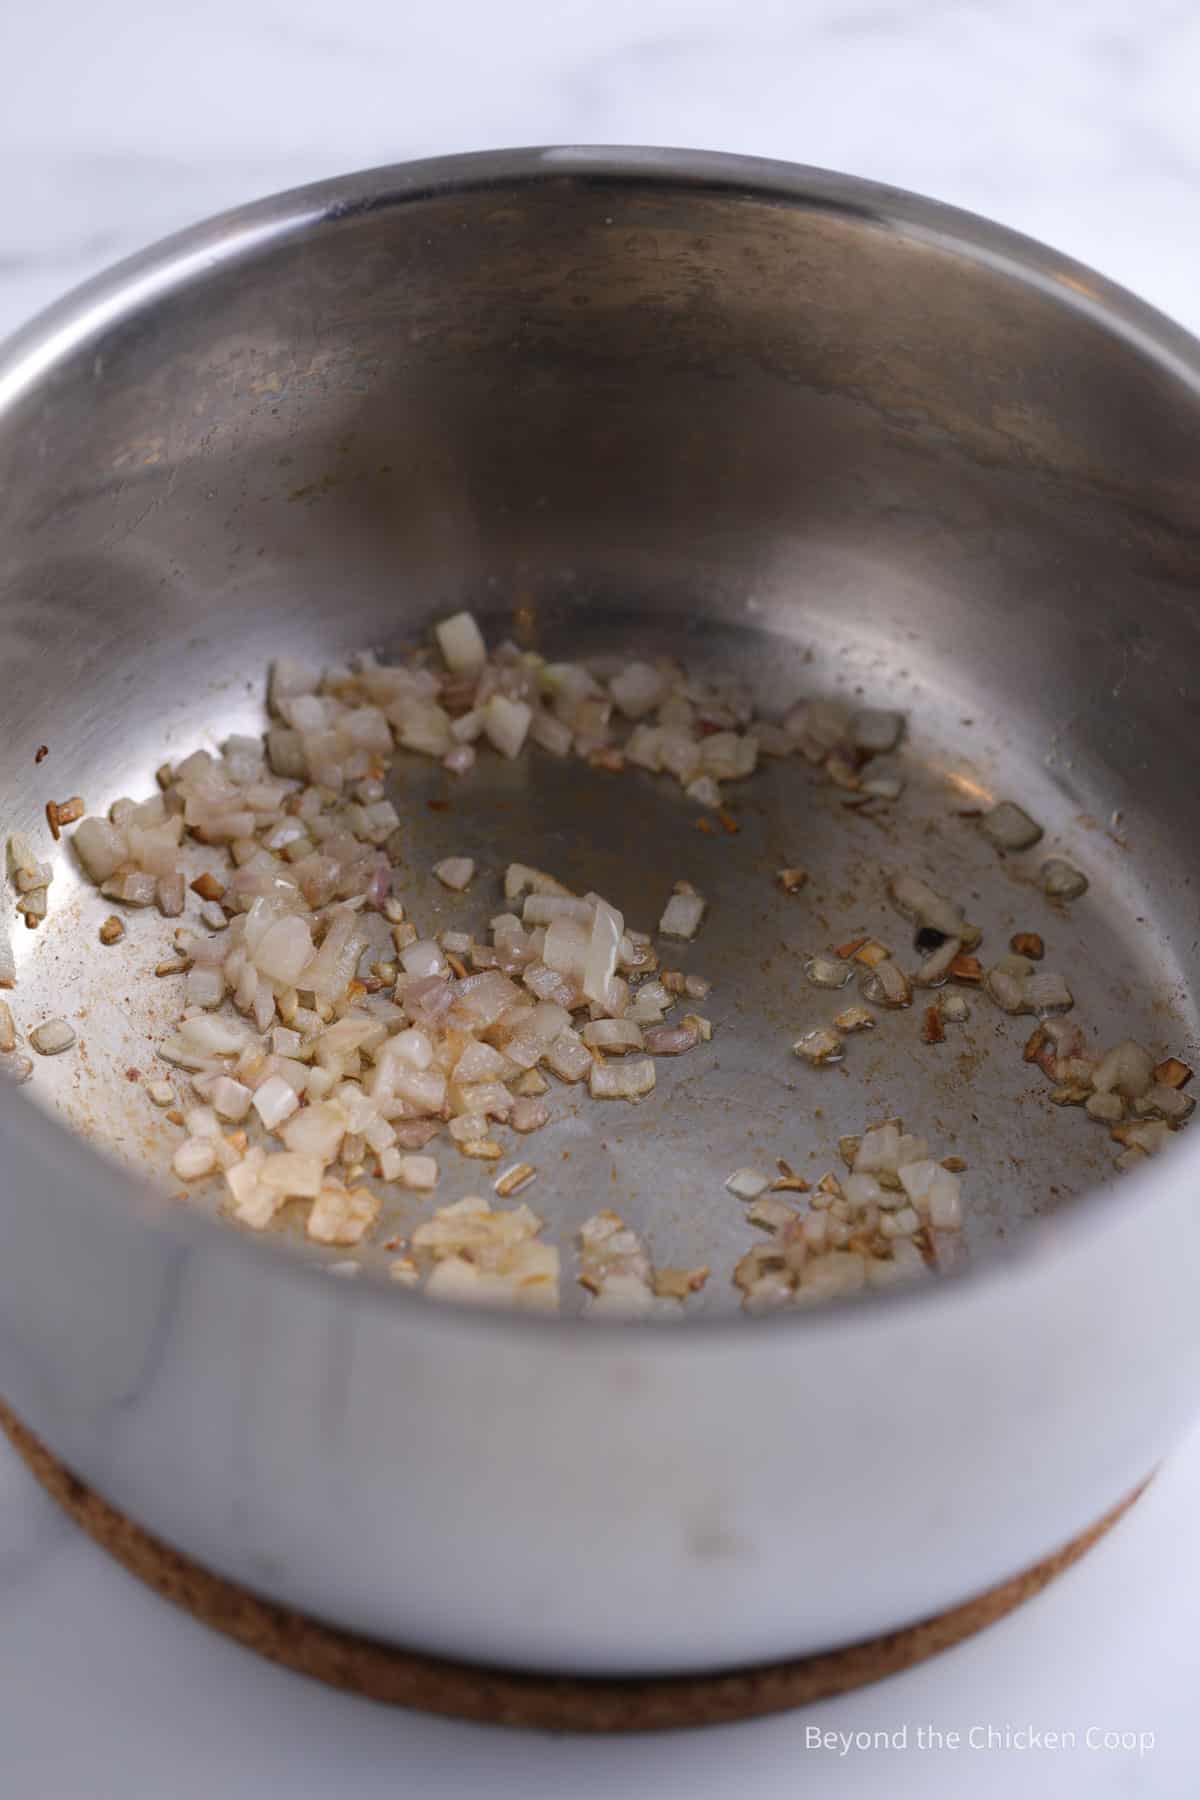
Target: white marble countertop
(1076,123)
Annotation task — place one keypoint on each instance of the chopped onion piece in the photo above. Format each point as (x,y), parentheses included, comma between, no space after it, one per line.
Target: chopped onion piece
(315,1130)
(567,947)
(340,1215)
(204,988)
(1007,990)
(518,1176)
(1127,1070)
(424,959)
(828,971)
(672,1040)
(460,760)
(637,689)
(568,1057)
(936,967)
(52,1037)
(505,724)
(1062,881)
(834,1273)
(275,1101)
(1107,1107)
(1149,1137)
(704,791)
(455,872)
(621,1081)
(528,1114)
(100,847)
(874,731)
(916,900)
(878,1150)
(1172,1073)
(543,909)
(293,1174)
(230,1099)
(819,1046)
(519,879)
(614,1036)
(284,950)
(419,1173)
(855,1018)
(887,985)
(551,733)
(1046,992)
(194,1158)
(461,643)
(748,1184)
(600,960)
(681,916)
(1010,827)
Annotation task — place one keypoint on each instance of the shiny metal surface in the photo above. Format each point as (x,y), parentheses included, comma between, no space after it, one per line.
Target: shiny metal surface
(840,438)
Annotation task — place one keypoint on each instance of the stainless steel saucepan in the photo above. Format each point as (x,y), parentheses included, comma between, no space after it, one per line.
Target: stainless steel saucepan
(831,436)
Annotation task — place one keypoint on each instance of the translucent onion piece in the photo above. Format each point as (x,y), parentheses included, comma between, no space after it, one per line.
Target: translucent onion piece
(461,643)
(1010,827)
(1062,881)
(52,1037)
(681,916)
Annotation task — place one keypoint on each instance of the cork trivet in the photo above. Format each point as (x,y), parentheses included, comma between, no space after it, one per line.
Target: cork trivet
(495,1696)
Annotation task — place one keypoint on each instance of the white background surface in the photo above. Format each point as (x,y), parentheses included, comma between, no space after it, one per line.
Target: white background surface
(1078,123)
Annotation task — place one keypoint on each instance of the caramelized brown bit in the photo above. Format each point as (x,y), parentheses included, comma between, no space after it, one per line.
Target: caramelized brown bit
(457,964)
(483,1149)
(1027,943)
(932,1030)
(954,1165)
(69,812)
(41,753)
(792,880)
(112,930)
(519,1176)
(607,758)
(208,887)
(871,953)
(729,823)
(677,1284)
(1034,1044)
(966,968)
(1172,1073)
(52,820)
(705,825)
(847,950)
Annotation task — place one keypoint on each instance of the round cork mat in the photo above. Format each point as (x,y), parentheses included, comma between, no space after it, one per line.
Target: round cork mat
(497,1696)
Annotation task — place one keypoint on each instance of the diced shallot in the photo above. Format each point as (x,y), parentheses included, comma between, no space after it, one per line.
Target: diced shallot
(682,915)
(1010,827)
